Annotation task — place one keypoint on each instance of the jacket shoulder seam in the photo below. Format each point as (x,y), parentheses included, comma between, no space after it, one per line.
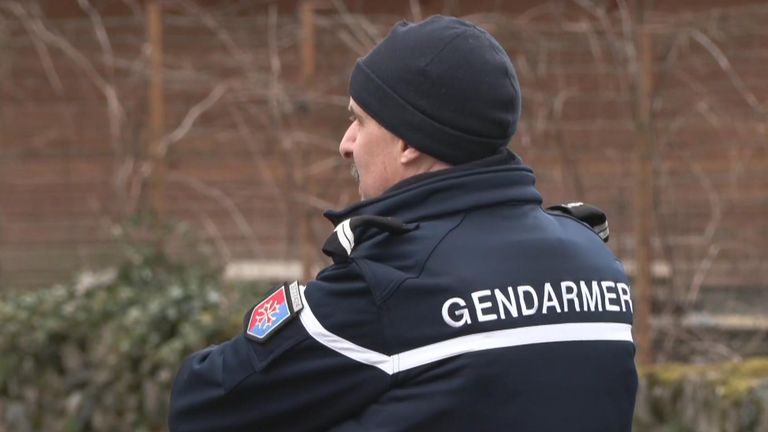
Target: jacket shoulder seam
(394,289)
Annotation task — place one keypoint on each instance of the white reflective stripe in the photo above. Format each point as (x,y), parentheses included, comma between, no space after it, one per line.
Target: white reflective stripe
(340,345)
(568,332)
(345,235)
(350,235)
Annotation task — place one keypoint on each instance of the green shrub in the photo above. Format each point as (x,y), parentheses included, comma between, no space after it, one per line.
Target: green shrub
(103,358)
(718,397)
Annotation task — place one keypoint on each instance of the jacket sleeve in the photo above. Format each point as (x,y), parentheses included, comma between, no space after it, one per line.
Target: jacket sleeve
(291,382)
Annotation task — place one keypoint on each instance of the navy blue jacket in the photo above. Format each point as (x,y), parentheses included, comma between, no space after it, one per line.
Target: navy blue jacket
(484,313)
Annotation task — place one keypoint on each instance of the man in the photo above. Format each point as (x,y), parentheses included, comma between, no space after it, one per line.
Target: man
(455,302)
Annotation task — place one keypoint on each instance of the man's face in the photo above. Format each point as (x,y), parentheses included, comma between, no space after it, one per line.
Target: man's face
(375,153)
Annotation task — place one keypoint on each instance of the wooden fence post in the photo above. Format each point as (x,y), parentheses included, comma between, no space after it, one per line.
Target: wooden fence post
(308,56)
(643,195)
(156,150)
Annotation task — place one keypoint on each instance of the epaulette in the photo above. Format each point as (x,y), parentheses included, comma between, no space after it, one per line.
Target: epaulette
(590,215)
(358,229)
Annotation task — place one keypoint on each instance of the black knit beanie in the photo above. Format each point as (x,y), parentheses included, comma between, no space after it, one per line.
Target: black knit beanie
(444,86)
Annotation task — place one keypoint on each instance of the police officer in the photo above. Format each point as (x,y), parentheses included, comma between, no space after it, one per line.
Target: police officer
(455,302)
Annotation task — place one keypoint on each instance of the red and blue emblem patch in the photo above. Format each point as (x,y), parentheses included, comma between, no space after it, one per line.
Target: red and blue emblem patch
(273,312)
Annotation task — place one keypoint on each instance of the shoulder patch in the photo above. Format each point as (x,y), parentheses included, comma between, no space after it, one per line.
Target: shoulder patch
(272,313)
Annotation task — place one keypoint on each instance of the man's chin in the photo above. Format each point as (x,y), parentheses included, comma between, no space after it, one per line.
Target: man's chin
(356,175)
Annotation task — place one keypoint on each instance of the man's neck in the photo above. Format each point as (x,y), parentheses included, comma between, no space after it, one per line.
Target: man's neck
(503,157)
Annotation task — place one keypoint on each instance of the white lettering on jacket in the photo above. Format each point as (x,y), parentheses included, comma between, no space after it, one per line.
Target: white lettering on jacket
(524,300)
(460,311)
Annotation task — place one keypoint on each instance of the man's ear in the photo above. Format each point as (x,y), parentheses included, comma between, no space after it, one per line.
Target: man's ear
(408,154)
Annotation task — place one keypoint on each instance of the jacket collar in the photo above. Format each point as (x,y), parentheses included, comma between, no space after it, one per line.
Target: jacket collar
(499,179)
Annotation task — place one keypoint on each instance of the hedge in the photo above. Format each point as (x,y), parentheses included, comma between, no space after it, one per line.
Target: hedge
(719,397)
(103,357)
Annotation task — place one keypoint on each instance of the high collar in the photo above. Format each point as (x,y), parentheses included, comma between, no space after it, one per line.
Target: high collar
(497,180)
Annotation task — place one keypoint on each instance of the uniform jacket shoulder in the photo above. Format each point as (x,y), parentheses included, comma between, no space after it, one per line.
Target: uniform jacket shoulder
(385,256)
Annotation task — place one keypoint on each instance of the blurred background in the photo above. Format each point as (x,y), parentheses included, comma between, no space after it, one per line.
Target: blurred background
(163,162)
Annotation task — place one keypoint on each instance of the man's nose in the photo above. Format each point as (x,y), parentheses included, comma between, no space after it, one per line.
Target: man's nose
(346,146)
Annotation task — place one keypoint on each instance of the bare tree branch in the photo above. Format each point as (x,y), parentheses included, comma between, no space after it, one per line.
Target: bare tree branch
(358,25)
(44,54)
(220,197)
(709,234)
(621,48)
(225,255)
(352,43)
(243,57)
(193,114)
(725,65)
(101,35)
(114,106)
